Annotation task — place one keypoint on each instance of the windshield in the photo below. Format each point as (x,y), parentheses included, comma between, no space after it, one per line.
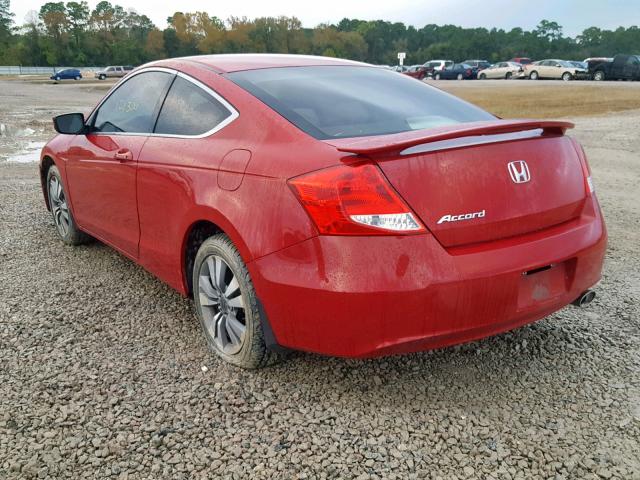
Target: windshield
(344,101)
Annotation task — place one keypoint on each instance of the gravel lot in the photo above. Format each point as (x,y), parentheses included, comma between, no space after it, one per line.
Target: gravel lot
(104,372)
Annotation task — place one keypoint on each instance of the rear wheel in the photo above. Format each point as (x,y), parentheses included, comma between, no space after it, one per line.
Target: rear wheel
(227,306)
(460,76)
(598,76)
(62,216)
(534,75)
(566,76)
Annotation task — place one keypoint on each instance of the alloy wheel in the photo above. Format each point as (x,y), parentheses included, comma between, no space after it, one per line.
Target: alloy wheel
(59,207)
(222,304)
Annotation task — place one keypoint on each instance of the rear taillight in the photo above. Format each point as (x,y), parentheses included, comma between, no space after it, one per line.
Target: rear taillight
(586,170)
(354,200)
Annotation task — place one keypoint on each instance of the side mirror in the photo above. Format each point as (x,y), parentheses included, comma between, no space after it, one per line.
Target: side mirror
(69,123)
(558,65)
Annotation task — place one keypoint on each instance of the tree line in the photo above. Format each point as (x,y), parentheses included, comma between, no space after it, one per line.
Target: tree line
(72,34)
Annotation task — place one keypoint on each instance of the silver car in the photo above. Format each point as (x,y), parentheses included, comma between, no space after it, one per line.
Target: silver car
(506,70)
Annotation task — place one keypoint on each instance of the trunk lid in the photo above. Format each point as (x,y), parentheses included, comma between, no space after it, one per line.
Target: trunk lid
(464,189)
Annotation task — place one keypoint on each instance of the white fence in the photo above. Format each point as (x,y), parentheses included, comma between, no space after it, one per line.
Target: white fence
(18,70)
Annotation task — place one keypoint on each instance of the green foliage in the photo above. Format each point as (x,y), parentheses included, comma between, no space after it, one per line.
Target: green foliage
(72,34)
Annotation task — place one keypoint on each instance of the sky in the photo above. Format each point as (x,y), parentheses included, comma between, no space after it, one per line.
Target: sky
(573,15)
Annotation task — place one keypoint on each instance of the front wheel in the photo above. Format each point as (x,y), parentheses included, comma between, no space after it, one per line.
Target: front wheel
(482,76)
(508,76)
(598,76)
(460,76)
(77,78)
(102,77)
(227,306)
(566,76)
(62,216)
(437,77)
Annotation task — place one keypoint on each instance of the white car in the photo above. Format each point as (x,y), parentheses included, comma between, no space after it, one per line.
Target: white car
(506,70)
(558,69)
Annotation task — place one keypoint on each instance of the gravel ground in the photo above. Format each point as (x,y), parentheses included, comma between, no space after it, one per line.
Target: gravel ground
(104,372)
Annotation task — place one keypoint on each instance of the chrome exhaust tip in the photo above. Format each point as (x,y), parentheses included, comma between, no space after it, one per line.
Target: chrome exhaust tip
(584,299)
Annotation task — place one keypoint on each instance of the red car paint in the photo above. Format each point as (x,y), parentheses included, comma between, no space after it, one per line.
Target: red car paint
(351,294)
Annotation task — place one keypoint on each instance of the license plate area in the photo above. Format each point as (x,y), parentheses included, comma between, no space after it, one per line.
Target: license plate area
(543,284)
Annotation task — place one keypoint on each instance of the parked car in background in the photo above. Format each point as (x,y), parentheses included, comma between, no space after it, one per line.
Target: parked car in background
(522,60)
(478,64)
(457,71)
(622,67)
(416,71)
(506,70)
(583,73)
(553,69)
(113,72)
(398,68)
(66,74)
(433,66)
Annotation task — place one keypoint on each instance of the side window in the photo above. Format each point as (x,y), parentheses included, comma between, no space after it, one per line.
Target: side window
(133,106)
(189,110)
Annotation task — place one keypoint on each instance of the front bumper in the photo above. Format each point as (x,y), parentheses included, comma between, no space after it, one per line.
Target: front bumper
(372,296)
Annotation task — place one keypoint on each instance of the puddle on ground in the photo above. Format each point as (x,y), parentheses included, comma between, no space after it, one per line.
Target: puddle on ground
(29,154)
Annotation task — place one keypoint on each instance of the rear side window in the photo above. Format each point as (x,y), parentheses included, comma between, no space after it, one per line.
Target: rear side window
(348,101)
(133,106)
(189,110)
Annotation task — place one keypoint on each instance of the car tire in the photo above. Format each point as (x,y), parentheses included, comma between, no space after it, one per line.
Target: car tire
(566,76)
(508,76)
(102,77)
(534,75)
(598,76)
(482,76)
(437,77)
(78,78)
(227,306)
(62,216)
(460,76)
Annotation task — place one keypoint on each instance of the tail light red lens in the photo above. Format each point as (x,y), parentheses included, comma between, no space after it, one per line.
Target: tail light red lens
(354,200)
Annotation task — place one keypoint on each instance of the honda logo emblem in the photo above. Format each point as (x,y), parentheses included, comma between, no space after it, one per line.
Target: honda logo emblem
(519,171)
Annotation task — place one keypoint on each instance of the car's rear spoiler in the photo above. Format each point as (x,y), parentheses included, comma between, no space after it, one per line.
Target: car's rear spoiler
(396,142)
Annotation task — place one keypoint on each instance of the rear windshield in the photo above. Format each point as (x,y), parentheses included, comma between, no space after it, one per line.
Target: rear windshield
(343,101)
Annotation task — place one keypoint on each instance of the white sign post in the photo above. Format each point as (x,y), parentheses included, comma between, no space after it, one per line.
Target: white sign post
(401,56)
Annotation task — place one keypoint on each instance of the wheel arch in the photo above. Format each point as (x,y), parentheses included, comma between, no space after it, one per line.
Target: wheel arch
(46,163)
(195,234)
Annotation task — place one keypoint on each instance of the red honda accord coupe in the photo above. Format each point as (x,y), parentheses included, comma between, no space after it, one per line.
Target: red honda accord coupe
(327,205)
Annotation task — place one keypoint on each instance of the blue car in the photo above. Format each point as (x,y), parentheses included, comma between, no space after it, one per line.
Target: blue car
(67,74)
(459,71)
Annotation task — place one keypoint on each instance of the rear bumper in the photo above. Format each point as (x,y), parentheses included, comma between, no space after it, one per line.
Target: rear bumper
(372,296)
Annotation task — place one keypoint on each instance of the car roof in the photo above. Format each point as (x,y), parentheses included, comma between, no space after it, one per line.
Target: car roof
(227,63)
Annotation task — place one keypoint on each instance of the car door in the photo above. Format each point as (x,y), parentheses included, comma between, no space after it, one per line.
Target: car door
(101,168)
(499,71)
(545,69)
(631,67)
(180,162)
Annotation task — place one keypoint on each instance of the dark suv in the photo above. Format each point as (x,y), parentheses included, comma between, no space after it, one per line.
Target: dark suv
(623,67)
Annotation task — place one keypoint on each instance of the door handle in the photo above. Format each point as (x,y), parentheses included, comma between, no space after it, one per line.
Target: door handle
(124,155)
